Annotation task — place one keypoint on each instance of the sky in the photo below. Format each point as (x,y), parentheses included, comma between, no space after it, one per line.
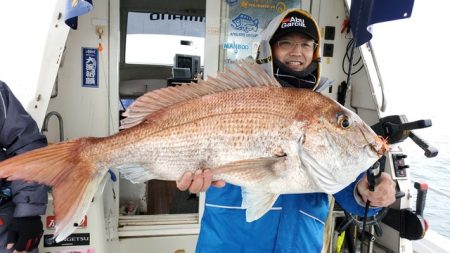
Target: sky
(413,60)
(22,44)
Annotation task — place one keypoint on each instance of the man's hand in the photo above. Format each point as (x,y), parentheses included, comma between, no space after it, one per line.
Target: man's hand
(384,193)
(24,233)
(200,181)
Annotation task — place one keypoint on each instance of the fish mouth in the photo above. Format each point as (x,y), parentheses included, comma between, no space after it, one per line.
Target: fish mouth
(379,145)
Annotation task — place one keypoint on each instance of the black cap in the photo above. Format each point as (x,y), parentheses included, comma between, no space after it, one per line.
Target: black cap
(296,22)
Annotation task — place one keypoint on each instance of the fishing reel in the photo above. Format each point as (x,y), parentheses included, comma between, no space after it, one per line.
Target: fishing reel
(396,129)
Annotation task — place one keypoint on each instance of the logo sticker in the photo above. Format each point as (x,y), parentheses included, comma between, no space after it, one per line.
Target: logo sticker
(235,46)
(292,21)
(246,23)
(50,222)
(71,240)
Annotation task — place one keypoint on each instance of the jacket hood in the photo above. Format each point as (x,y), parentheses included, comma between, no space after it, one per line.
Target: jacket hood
(281,25)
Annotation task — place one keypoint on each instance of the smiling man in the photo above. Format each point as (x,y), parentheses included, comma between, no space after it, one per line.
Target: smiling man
(294,50)
(293,43)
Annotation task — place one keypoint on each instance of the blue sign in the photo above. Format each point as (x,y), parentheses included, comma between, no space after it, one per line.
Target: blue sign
(90,67)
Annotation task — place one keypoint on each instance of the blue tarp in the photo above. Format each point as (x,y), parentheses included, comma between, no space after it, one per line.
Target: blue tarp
(75,8)
(365,13)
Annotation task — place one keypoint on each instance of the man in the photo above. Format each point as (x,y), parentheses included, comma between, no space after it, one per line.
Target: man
(21,203)
(290,51)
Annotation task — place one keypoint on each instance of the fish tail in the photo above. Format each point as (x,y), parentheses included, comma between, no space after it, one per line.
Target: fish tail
(72,176)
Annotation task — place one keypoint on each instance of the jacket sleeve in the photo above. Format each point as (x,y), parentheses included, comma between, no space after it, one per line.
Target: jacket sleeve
(348,200)
(19,133)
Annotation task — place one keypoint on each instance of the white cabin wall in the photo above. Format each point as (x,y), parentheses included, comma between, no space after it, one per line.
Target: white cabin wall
(184,244)
(366,93)
(84,110)
(332,13)
(361,96)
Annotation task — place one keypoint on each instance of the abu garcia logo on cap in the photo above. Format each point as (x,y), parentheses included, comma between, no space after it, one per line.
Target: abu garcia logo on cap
(292,21)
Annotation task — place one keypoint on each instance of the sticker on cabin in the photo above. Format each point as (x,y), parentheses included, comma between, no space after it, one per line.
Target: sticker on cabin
(245,23)
(90,67)
(50,222)
(71,240)
(76,251)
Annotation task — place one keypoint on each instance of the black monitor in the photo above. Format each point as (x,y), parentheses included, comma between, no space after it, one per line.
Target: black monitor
(191,62)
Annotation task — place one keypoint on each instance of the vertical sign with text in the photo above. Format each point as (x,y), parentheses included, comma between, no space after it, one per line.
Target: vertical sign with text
(90,67)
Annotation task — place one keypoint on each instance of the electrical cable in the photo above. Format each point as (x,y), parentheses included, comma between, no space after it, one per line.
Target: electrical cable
(347,57)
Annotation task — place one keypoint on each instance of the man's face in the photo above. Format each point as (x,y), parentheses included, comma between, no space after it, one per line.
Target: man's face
(295,50)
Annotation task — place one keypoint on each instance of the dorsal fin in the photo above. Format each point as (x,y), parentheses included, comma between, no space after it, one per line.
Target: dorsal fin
(238,77)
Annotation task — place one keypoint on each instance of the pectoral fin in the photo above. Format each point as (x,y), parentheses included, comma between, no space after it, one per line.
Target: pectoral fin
(136,172)
(254,175)
(257,203)
(253,171)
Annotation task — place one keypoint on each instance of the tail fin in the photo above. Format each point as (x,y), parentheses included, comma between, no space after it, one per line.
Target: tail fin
(73,177)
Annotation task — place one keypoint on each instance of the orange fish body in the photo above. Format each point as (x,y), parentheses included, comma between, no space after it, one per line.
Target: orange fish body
(242,125)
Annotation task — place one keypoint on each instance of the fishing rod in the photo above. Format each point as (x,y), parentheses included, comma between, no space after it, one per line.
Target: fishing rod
(373,177)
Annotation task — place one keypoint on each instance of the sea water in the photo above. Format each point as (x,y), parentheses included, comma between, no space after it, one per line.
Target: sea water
(436,173)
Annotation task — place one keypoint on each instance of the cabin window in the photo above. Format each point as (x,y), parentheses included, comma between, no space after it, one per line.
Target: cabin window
(155,48)
(155,38)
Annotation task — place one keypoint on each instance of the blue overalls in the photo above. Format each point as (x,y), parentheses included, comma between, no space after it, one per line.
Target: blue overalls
(294,224)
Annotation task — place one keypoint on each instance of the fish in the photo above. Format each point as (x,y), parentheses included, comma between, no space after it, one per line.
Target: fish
(241,124)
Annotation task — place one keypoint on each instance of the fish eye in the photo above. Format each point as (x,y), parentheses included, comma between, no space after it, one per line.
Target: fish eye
(344,121)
